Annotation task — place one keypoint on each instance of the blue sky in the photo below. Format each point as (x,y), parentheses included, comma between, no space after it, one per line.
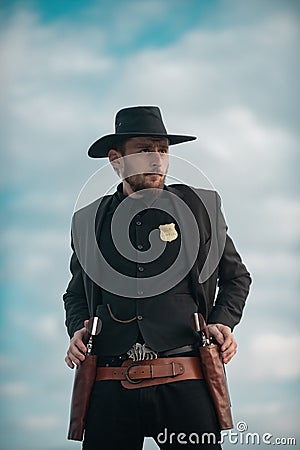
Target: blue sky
(226,71)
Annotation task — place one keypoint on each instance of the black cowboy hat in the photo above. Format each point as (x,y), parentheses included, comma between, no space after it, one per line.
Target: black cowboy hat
(133,122)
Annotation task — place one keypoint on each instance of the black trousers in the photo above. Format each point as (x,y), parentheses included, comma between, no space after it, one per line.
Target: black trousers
(178,415)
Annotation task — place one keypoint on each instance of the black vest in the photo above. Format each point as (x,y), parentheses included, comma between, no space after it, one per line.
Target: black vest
(161,321)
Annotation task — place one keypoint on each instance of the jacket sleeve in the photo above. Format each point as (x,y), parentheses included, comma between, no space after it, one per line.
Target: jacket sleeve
(233,284)
(75,300)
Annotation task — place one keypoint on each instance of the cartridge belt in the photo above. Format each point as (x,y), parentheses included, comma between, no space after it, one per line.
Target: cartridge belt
(139,374)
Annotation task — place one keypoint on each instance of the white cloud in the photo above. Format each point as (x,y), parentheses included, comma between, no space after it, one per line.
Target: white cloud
(35,255)
(39,423)
(203,72)
(31,50)
(243,137)
(207,73)
(218,84)
(267,355)
(15,389)
(130,18)
(275,263)
(42,238)
(211,69)
(47,328)
(150,444)
(45,201)
(266,349)
(266,417)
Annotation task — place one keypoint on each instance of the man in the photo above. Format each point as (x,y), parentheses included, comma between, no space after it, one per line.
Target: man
(155,256)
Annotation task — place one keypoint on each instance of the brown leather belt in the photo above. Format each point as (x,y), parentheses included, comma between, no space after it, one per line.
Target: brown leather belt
(139,374)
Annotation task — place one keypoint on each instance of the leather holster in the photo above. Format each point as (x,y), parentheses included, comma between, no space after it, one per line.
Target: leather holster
(83,384)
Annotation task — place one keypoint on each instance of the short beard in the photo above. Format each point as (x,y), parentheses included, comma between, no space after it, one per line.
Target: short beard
(138,182)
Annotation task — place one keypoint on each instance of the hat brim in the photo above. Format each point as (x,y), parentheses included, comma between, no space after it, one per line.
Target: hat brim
(101,147)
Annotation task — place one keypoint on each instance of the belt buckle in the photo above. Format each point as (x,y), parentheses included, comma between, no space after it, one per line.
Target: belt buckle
(140,352)
(130,380)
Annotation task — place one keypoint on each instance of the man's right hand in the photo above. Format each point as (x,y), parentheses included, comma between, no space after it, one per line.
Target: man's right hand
(77,349)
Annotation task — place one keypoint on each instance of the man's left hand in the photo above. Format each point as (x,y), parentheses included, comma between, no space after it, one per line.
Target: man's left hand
(224,337)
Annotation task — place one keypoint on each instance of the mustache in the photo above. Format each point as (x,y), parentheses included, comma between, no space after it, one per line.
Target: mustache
(154,172)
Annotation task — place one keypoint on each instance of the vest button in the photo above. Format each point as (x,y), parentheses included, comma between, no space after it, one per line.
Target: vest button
(140,247)
(139,317)
(140,268)
(138,222)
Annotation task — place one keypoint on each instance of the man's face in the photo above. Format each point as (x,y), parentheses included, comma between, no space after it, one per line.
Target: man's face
(145,162)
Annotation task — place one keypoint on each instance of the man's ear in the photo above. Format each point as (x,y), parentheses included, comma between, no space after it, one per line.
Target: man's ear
(115,159)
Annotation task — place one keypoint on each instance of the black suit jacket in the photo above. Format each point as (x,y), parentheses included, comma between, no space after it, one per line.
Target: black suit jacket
(217,265)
